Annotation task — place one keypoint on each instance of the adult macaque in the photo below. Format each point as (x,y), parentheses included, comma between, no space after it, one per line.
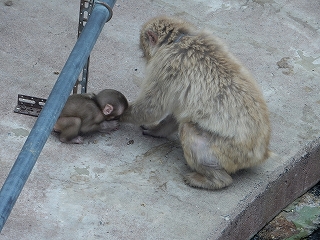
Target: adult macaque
(195,85)
(88,112)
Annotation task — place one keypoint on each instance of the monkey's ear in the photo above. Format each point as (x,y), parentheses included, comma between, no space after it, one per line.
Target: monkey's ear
(153,38)
(108,108)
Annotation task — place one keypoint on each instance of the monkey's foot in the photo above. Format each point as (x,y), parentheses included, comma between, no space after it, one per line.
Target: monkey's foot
(155,131)
(163,129)
(195,179)
(76,140)
(150,132)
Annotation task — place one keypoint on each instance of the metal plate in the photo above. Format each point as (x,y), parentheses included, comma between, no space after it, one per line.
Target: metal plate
(86,7)
(29,105)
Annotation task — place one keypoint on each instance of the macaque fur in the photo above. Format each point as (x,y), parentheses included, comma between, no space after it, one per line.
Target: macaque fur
(88,112)
(193,84)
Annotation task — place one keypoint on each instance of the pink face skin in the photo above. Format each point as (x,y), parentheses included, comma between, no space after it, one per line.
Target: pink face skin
(114,114)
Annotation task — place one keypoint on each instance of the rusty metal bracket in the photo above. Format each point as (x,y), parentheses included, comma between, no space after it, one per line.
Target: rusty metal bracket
(29,105)
(84,14)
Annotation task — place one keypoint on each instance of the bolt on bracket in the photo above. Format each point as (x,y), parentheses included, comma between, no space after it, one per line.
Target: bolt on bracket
(29,105)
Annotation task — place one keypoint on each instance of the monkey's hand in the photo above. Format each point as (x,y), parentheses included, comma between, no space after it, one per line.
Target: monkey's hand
(152,130)
(163,129)
(109,126)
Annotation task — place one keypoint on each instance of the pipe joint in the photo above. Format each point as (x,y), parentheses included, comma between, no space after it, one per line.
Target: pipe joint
(108,7)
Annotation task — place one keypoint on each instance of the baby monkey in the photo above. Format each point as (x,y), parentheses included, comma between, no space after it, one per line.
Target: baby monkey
(88,112)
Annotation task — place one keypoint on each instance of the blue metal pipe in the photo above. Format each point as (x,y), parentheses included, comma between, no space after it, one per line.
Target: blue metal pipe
(42,128)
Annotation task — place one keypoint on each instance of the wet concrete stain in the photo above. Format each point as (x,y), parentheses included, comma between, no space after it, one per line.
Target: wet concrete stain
(268,48)
(20,132)
(82,171)
(263,2)
(308,115)
(307,62)
(149,164)
(156,153)
(309,122)
(310,119)
(285,63)
(303,23)
(99,170)
(307,89)
(81,175)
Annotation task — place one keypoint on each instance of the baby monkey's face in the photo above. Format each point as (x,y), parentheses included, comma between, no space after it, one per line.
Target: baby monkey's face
(115,115)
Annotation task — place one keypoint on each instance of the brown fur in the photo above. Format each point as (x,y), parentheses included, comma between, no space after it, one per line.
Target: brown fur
(195,84)
(88,112)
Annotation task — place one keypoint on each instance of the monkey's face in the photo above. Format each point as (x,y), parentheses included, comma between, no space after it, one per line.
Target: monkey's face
(115,114)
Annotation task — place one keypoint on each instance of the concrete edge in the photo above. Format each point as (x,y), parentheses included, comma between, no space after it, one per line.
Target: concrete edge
(298,177)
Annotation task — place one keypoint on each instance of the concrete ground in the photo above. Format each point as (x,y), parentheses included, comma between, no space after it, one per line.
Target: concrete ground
(129,186)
